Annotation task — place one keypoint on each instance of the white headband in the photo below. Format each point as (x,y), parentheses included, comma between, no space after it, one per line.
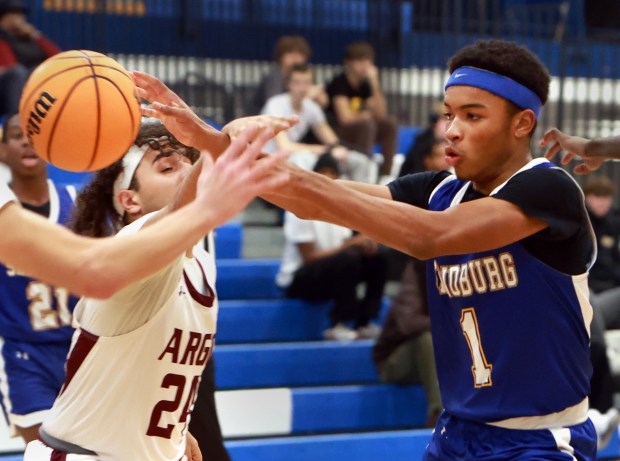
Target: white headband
(131,160)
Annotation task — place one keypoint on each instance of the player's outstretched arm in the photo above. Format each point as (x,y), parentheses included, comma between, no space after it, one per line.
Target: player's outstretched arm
(190,129)
(479,225)
(100,267)
(593,153)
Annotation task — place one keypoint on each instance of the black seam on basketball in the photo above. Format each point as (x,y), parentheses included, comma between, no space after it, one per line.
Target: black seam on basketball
(43,82)
(98,135)
(133,123)
(60,110)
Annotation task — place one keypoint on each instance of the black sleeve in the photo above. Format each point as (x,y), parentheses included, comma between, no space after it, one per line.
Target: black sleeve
(365,90)
(416,189)
(338,87)
(549,194)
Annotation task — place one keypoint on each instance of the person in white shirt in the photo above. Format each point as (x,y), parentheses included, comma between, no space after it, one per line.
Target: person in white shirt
(324,261)
(299,81)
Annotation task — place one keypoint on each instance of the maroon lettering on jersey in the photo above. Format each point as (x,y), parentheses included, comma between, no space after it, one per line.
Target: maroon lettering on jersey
(196,351)
(192,347)
(205,350)
(173,346)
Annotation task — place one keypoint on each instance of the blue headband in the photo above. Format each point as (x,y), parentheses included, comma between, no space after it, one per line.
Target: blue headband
(497,84)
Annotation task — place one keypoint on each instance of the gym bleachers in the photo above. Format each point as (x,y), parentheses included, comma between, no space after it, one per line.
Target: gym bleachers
(285,388)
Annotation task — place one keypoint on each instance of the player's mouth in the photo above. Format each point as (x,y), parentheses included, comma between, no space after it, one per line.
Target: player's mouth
(453,158)
(30,160)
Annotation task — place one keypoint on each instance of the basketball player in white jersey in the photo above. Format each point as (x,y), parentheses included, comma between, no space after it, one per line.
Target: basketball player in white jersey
(137,357)
(99,268)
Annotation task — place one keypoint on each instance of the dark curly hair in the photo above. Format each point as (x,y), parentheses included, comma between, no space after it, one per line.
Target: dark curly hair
(94,214)
(507,59)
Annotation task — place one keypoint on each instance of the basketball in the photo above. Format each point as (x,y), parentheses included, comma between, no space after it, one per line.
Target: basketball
(79,111)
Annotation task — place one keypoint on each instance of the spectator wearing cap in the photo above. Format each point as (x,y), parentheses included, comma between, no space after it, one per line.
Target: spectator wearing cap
(326,262)
(22,48)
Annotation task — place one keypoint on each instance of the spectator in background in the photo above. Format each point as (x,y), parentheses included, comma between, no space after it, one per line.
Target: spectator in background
(299,79)
(424,142)
(604,282)
(404,351)
(288,51)
(22,48)
(605,274)
(357,108)
(324,262)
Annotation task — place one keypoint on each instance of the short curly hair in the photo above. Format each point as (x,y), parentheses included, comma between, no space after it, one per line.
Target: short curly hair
(507,59)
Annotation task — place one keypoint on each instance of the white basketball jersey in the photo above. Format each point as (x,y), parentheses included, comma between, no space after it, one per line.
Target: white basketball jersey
(6,194)
(129,397)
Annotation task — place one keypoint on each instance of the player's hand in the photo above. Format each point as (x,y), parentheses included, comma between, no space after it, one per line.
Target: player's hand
(168,107)
(241,173)
(373,74)
(277,124)
(574,147)
(192,450)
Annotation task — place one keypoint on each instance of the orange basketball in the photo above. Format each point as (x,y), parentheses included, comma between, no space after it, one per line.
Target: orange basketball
(79,111)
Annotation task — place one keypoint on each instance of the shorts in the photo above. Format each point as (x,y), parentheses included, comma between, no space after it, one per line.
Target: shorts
(38,451)
(31,376)
(462,440)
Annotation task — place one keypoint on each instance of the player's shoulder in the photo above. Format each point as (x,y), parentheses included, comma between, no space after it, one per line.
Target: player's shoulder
(138,224)
(545,178)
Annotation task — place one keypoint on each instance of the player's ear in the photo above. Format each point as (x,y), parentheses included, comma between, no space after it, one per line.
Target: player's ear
(524,123)
(130,201)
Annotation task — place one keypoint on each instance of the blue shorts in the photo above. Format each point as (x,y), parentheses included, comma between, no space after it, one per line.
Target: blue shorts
(31,376)
(458,439)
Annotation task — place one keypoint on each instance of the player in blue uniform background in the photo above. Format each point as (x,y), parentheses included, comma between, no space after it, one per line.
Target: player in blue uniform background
(508,244)
(35,318)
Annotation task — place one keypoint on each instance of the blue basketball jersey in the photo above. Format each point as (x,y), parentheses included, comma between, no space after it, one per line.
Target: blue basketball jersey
(30,310)
(511,334)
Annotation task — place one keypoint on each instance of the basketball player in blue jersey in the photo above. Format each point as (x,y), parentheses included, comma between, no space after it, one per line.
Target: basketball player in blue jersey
(35,318)
(508,244)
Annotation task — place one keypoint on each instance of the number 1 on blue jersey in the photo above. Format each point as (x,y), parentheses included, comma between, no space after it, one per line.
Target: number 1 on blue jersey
(481,369)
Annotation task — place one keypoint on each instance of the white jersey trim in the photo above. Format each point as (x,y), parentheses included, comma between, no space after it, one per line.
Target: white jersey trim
(54,202)
(570,416)
(440,185)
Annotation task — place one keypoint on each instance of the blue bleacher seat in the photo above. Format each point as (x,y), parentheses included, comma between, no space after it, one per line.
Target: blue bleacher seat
(228,241)
(246,366)
(247,279)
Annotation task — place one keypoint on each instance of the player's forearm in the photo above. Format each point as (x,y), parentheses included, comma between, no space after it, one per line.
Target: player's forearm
(605,147)
(95,267)
(125,260)
(211,140)
(398,225)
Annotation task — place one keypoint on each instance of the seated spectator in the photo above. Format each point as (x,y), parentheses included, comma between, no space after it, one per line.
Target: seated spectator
(311,119)
(604,281)
(404,353)
(357,108)
(22,48)
(288,51)
(325,262)
(424,142)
